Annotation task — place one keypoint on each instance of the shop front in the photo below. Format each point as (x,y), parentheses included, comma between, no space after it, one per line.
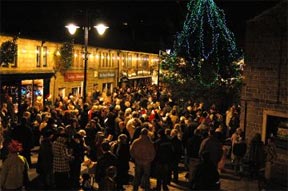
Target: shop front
(30,88)
(107,81)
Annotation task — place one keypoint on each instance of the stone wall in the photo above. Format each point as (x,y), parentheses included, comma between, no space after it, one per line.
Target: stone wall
(266,72)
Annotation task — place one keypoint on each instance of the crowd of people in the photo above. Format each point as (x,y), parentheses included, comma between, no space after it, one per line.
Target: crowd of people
(141,125)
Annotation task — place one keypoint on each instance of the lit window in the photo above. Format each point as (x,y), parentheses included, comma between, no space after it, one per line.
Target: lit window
(45,52)
(38,56)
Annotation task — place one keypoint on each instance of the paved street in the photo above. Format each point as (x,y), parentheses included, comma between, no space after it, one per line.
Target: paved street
(229,181)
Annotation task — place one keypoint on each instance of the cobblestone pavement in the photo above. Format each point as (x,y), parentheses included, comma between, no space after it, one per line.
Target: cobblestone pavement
(229,181)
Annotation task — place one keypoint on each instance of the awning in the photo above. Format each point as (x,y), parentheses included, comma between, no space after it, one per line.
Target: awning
(139,77)
(7,76)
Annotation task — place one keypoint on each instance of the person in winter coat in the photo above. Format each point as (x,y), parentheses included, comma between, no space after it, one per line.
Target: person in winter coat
(239,148)
(14,172)
(78,150)
(213,146)
(23,133)
(143,152)
(61,161)
(121,150)
(163,159)
(271,156)
(206,176)
(193,146)
(45,161)
(178,151)
(256,155)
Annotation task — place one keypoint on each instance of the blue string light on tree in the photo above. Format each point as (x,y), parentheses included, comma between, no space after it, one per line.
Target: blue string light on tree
(206,36)
(204,57)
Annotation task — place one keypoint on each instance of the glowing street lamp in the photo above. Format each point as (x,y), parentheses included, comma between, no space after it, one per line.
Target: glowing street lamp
(72,28)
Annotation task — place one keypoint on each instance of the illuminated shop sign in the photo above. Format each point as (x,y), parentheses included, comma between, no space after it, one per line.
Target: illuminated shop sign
(70,77)
(106,74)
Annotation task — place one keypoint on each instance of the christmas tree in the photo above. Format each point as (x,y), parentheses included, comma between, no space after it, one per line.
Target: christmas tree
(205,60)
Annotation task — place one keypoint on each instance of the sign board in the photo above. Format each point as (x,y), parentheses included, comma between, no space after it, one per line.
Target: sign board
(71,77)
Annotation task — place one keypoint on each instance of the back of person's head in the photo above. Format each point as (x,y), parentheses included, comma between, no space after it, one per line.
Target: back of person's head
(211,132)
(167,131)
(144,132)
(85,176)
(23,121)
(239,130)
(105,146)
(61,131)
(82,132)
(174,132)
(14,146)
(161,132)
(122,138)
(85,106)
(135,114)
(47,133)
(50,121)
(256,138)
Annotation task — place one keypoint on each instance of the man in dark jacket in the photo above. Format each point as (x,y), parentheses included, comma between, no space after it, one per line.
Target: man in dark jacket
(163,159)
(206,175)
(45,160)
(23,133)
(178,151)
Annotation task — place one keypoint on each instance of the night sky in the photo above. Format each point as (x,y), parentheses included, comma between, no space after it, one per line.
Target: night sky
(146,26)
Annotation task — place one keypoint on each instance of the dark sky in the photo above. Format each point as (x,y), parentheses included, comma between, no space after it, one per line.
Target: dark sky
(151,25)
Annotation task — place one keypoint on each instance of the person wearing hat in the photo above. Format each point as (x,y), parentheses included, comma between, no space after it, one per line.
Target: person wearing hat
(14,173)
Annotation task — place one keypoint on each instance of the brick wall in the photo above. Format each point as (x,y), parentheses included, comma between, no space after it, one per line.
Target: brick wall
(266,71)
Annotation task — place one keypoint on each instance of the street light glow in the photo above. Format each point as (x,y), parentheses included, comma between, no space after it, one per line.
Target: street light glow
(101,28)
(72,28)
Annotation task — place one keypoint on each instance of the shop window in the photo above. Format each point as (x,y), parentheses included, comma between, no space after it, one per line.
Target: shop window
(129,63)
(78,59)
(38,56)
(107,88)
(109,60)
(76,91)
(106,60)
(45,56)
(145,62)
(114,60)
(101,59)
(14,63)
(124,62)
(61,92)
(32,91)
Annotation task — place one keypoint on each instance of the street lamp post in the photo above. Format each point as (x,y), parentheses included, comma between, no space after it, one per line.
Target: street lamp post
(72,28)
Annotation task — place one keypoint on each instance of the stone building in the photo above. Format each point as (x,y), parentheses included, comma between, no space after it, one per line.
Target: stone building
(264,97)
(34,73)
